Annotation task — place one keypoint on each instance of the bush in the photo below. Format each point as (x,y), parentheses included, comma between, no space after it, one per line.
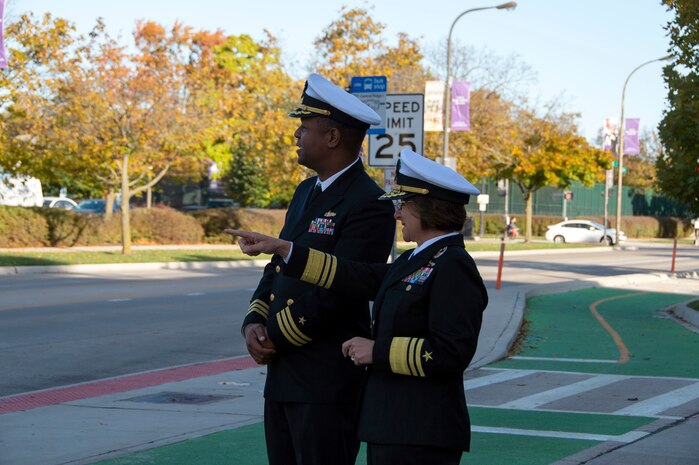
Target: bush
(22,227)
(163,226)
(215,220)
(65,228)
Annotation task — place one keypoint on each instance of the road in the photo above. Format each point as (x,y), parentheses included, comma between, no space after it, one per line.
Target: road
(63,329)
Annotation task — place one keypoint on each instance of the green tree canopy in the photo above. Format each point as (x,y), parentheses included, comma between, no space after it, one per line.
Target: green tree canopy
(678,166)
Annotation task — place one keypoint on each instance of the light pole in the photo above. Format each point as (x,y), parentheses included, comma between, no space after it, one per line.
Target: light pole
(447,87)
(620,146)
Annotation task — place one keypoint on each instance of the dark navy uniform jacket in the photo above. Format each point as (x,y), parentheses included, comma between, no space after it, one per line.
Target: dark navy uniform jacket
(427,317)
(308,324)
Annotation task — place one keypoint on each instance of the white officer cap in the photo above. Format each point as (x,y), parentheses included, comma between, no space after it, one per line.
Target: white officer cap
(323,98)
(418,175)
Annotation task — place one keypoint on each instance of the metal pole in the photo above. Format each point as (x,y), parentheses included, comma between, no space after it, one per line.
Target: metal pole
(447,85)
(674,255)
(498,281)
(620,146)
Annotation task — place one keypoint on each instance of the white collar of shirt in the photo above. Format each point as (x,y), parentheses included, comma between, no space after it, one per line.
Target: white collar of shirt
(325,184)
(429,242)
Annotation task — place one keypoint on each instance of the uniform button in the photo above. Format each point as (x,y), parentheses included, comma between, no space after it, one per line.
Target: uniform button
(373,322)
(408,287)
(278,269)
(290,301)
(271,297)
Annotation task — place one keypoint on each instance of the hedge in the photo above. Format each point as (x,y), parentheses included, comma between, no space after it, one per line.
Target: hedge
(41,227)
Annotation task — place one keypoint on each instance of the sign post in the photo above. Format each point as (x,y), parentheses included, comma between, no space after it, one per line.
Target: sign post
(404,130)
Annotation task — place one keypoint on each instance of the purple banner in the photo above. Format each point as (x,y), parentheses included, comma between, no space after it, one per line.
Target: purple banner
(460,103)
(631,144)
(3,60)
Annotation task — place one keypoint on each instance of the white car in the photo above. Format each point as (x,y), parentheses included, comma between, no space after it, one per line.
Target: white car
(60,202)
(581,231)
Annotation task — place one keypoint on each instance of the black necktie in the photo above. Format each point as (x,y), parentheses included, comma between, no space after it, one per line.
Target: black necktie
(314,195)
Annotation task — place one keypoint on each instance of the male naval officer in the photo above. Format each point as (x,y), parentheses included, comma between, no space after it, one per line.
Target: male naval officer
(312,391)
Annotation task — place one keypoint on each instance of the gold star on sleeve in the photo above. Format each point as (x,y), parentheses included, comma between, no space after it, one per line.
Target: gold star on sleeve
(427,356)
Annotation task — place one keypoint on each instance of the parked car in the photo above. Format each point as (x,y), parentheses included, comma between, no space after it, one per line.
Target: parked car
(60,202)
(95,206)
(212,203)
(581,231)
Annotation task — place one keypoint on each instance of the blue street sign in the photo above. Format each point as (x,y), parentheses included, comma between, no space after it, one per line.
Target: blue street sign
(372,91)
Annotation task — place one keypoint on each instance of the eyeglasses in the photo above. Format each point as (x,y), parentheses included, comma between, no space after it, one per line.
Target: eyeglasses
(398,204)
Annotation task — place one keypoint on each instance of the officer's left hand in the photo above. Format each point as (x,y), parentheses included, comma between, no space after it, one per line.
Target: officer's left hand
(359,349)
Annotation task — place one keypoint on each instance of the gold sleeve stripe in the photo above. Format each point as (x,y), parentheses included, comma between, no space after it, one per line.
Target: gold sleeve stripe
(329,271)
(418,359)
(260,307)
(404,356)
(320,269)
(285,331)
(290,330)
(399,347)
(292,325)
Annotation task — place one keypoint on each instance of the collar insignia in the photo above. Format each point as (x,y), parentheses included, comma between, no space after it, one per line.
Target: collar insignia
(439,253)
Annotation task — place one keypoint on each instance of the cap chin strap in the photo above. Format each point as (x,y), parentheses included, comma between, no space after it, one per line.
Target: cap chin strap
(319,111)
(415,190)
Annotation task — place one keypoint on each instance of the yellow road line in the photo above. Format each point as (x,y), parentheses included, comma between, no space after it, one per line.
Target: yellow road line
(623,350)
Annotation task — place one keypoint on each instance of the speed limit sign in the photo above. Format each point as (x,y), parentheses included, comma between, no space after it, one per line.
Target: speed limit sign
(404,129)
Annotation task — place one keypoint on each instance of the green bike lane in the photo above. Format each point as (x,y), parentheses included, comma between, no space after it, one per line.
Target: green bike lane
(594,369)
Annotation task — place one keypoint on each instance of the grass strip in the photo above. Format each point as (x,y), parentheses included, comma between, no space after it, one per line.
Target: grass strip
(108,257)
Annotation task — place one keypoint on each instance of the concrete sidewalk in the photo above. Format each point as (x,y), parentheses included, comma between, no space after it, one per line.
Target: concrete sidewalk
(95,421)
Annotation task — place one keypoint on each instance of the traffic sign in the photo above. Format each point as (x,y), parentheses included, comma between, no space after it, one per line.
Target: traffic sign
(372,91)
(404,129)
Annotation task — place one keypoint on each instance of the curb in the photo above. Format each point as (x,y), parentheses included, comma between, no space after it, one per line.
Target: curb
(121,267)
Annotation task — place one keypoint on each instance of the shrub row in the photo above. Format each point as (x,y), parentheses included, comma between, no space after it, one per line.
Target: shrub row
(41,227)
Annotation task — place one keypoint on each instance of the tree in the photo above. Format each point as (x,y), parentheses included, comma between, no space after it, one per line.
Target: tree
(38,51)
(548,151)
(116,115)
(678,166)
(254,140)
(349,46)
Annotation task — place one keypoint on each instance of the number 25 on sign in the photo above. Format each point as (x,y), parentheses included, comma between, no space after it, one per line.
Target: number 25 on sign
(404,129)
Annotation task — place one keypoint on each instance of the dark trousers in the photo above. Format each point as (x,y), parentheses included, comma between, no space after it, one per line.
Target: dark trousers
(389,454)
(310,434)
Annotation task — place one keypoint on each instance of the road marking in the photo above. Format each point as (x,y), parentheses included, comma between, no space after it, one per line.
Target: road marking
(623,350)
(535,400)
(624,438)
(119,300)
(574,360)
(657,404)
(499,377)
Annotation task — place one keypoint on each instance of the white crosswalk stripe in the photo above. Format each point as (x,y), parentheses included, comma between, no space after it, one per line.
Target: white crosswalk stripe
(499,377)
(535,400)
(656,405)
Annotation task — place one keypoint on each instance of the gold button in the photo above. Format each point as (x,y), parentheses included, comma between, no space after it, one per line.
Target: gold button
(278,269)
(290,301)
(408,287)
(271,297)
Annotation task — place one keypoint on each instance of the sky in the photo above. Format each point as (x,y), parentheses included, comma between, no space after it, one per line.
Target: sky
(582,51)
